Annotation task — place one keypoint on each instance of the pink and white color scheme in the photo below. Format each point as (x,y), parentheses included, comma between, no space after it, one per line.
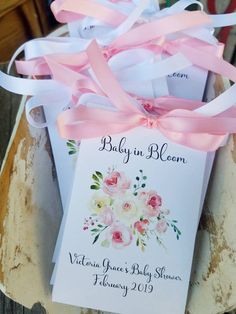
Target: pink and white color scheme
(133,143)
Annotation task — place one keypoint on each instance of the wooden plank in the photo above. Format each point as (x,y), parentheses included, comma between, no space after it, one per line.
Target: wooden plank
(9,104)
(18,26)
(9,5)
(46,20)
(21,21)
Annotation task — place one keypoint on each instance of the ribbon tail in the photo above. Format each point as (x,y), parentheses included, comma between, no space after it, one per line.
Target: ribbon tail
(89,130)
(107,80)
(198,141)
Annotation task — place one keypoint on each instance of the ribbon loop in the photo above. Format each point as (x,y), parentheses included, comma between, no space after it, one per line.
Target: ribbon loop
(182,126)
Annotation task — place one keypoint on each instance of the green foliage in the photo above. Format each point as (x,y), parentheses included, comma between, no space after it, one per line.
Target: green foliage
(96,238)
(72,146)
(94,187)
(97,178)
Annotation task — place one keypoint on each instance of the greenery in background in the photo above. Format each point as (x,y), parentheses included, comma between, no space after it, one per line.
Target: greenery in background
(169,3)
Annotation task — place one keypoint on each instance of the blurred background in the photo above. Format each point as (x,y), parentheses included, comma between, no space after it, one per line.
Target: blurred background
(21,20)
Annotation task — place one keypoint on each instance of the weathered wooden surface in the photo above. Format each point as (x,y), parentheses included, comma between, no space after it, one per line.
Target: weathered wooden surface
(9,105)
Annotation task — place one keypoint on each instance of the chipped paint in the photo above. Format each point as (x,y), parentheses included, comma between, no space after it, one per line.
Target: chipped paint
(30,216)
(215,264)
(8,172)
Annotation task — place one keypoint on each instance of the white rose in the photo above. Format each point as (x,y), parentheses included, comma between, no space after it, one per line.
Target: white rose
(127,208)
(99,202)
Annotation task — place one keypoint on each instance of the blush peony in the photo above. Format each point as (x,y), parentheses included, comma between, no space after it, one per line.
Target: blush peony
(141,226)
(151,203)
(116,183)
(119,235)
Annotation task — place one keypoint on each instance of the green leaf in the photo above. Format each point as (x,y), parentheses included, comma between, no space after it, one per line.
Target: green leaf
(141,170)
(135,194)
(175,221)
(105,243)
(143,185)
(179,232)
(96,238)
(100,226)
(95,178)
(144,178)
(137,242)
(137,178)
(99,175)
(95,230)
(177,237)
(135,185)
(72,152)
(94,187)
(71,141)
(69,144)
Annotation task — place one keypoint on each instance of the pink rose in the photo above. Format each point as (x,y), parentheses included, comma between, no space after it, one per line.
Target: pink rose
(116,183)
(119,235)
(161,226)
(107,216)
(141,226)
(152,203)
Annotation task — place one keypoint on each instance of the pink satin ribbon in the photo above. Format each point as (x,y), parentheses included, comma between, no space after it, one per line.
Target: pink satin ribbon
(142,35)
(77,81)
(71,10)
(181,126)
(199,53)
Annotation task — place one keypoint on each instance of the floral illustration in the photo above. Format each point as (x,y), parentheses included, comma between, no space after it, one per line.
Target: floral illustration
(123,212)
(73,147)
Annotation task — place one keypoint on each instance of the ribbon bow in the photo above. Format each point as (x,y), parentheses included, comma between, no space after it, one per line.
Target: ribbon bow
(182,126)
(141,35)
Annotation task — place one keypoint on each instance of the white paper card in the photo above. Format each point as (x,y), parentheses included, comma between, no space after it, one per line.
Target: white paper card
(136,249)
(180,84)
(189,83)
(64,152)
